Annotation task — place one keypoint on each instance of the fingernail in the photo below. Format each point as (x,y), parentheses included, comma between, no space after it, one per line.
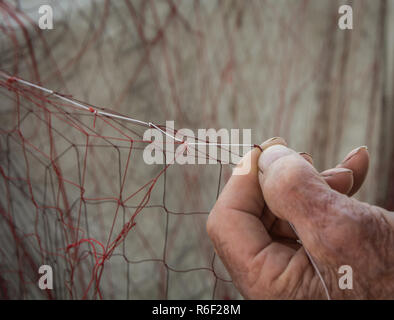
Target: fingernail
(306,156)
(273,141)
(335,171)
(354,152)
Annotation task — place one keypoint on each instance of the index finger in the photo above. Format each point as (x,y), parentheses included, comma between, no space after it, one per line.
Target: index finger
(234,224)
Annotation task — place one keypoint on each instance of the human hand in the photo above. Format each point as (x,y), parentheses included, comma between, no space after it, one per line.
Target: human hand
(250,231)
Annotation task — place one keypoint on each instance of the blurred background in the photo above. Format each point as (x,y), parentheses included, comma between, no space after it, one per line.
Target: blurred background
(279,68)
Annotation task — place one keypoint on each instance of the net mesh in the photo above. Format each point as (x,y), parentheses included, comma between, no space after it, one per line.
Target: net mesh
(76,193)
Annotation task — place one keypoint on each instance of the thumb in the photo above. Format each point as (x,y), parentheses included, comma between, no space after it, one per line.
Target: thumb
(295,192)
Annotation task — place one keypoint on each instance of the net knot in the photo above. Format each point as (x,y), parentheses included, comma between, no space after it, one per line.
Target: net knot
(9,83)
(92,110)
(257,146)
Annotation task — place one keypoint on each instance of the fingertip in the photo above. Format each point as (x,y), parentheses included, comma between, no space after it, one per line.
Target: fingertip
(357,160)
(271,154)
(273,141)
(355,153)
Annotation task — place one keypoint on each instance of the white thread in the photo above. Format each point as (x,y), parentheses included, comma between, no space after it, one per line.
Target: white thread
(112,115)
(166,133)
(313,263)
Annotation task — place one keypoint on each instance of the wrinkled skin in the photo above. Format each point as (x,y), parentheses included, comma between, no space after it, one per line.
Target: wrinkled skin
(249,229)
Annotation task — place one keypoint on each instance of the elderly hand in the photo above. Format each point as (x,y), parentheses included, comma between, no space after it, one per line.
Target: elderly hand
(250,231)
